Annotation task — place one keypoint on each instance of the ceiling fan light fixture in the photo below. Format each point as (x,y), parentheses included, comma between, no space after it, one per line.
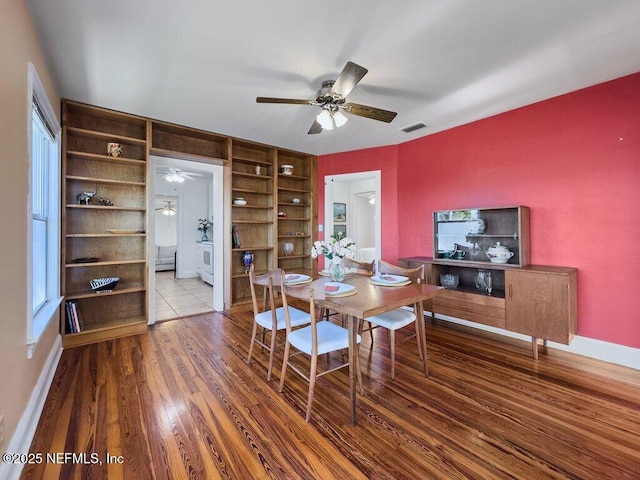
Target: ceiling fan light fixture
(339,118)
(168,211)
(174,177)
(325,119)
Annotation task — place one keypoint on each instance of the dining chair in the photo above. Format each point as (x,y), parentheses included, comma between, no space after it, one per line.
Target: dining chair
(271,318)
(363,268)
(400,317)
(315,339)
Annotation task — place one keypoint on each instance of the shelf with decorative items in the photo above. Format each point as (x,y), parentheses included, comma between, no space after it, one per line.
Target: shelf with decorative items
(104,223)
(296,211)
(493,238)
(252,216)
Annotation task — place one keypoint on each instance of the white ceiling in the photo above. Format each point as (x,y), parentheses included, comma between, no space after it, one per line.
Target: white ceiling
(202,63)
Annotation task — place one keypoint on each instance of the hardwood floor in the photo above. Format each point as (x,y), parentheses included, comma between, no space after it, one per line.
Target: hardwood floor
(180,402)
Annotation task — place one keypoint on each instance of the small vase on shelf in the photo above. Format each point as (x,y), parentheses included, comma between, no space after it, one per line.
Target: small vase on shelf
(205,237)
(336,269)
(247,259)
(288,248)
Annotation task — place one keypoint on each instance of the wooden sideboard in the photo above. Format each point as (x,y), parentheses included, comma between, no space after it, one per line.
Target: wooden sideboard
(539,301)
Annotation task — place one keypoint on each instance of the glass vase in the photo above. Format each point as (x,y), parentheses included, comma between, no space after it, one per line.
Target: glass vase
(336,269)
(205,237)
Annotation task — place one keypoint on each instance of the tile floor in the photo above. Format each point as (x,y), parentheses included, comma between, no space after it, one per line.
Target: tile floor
(177,297)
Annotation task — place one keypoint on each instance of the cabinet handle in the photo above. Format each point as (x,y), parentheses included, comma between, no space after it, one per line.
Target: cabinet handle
(510,292)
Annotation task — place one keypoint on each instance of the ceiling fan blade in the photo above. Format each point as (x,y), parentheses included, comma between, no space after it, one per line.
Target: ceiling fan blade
(315,128)
(349,77)
(293,101)
(191,174)
(370,112)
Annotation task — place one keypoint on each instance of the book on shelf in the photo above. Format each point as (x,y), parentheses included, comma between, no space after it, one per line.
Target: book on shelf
(74,319)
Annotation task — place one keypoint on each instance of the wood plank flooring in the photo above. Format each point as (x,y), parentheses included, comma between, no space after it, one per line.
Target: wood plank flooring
(180,402)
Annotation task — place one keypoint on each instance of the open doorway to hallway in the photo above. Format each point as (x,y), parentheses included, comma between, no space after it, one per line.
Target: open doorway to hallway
(352,206)
(187,286)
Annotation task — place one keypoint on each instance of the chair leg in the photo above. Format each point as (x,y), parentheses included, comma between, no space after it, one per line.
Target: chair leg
(312,385)
(392,347)
(263,334)
(285,361)
(253,339)
(272,353)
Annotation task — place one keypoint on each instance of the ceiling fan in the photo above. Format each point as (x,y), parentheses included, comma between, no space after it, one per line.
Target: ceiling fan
(177,175)
(332,98)
(168,209)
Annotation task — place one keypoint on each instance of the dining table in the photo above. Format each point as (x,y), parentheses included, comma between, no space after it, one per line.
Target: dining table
(373,299)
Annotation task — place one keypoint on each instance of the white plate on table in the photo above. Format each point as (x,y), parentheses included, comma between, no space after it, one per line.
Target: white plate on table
(337,288)
(296,278)
(389,279)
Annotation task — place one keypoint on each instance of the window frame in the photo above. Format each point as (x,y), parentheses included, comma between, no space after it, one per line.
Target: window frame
(38,322)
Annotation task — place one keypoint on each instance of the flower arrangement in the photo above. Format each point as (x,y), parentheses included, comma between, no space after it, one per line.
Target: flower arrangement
(338,247)
(203,225)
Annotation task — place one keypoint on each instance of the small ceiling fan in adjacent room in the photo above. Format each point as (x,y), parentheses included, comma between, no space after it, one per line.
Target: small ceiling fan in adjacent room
(332,99)
(168,209)
(178,176)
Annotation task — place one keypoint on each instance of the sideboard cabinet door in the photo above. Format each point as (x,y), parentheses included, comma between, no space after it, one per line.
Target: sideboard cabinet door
(542,302)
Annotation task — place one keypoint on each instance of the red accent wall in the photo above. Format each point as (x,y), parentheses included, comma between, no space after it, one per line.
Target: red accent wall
(574,160)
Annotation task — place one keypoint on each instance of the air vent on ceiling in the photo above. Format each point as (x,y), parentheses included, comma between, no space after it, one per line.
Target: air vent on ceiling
(414,127)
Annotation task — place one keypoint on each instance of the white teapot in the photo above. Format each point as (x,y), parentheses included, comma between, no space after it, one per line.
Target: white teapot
(499,253)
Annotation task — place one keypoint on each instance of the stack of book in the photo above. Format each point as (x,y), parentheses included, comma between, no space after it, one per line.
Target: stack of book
(74,320)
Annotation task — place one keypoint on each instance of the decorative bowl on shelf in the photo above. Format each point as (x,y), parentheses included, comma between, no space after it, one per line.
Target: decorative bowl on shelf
(449,280)
(86,260)
(239,201)
(444,253)
(286,169)
(295,200)
(498,253)
(105,284)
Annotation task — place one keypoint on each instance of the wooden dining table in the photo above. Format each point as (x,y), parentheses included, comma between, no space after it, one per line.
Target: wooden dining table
(372,300)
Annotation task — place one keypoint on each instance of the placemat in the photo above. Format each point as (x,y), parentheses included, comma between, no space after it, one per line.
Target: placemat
(299,282)
(345,294)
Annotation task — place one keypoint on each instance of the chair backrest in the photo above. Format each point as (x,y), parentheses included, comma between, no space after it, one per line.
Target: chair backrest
(310,292)
(415,274)
(364,268)
(267,281)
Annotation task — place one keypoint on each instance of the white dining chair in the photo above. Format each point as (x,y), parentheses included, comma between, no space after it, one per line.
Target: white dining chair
(400,317)
(317,338)
(270,318)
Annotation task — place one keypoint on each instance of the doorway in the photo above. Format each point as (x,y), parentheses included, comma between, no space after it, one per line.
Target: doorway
(182,291)
(352,206)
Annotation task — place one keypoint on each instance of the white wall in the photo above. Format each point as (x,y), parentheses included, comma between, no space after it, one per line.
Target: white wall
(364,226)
(166,229)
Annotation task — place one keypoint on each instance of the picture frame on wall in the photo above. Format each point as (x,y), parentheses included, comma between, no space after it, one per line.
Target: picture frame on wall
(340,230)
(339,212)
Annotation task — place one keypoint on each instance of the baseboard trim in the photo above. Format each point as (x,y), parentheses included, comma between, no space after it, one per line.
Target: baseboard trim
(26,429)
(588,347)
